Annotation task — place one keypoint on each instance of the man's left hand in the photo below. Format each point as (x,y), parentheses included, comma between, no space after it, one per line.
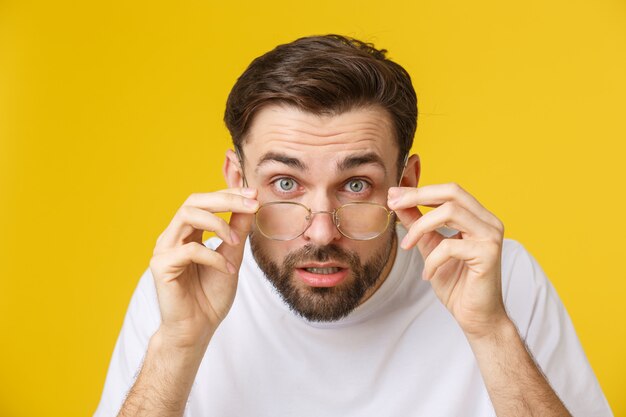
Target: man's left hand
(464,269)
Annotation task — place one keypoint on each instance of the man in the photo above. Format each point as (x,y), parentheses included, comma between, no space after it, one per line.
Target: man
(310,302)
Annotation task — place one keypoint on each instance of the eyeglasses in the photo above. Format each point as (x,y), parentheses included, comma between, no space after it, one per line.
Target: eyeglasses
(287,220)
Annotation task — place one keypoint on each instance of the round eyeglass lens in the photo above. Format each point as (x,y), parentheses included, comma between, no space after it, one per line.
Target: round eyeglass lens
(362,221)
(282,221)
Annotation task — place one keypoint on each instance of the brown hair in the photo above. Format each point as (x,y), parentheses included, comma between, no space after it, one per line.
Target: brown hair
(327,74)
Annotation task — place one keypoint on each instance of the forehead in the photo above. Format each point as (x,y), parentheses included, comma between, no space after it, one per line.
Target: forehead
(310,137)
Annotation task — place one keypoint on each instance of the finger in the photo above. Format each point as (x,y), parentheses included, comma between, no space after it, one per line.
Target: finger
(465,250)
(167,266)
(244,191)
(241,224)
(247,191)
(452,216)
(189,219)
(224,201)
(426,244)
(180,228)
(438,194)
(408,216)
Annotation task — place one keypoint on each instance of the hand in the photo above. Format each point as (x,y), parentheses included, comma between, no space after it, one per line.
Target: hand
(464,270)
(196,285)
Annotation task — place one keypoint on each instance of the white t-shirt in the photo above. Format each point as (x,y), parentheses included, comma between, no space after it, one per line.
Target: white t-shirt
(401,353)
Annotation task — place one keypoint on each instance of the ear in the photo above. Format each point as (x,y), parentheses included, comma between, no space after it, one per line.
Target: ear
(232,170)
(411,176)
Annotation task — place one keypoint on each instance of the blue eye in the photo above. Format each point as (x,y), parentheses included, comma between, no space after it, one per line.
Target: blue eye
(285,184)
(356,186)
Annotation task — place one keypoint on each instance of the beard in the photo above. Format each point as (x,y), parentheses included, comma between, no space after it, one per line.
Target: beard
(323,304)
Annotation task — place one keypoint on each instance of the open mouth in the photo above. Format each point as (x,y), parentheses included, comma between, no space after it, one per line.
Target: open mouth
(323,271)
(321,275)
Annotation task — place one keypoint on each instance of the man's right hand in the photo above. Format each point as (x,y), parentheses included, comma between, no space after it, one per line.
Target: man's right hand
(196,285)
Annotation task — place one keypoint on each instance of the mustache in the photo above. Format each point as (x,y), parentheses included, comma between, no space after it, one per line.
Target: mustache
(312,253)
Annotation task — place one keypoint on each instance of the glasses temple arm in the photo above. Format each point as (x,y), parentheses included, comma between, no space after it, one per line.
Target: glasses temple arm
(243,174)
(404,164)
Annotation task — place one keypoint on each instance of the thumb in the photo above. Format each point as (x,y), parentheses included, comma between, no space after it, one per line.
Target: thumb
(241,224)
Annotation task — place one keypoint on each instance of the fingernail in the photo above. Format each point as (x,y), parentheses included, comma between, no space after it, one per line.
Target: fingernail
(250,203)
(231,268)
(404,242)
(234,237)
(248,192)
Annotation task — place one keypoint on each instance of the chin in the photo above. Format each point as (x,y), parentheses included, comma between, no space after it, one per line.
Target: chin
(321,283)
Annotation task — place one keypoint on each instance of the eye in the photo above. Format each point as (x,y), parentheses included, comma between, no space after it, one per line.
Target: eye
(285,184)
(357,186)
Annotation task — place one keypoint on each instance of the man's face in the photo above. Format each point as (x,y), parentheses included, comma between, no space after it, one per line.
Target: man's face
(322,162)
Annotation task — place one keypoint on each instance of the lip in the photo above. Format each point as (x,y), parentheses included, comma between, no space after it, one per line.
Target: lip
(322,280)
(322,265)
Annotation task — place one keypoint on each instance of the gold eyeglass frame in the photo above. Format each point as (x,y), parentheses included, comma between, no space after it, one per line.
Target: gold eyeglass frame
(312,213)
(334,214)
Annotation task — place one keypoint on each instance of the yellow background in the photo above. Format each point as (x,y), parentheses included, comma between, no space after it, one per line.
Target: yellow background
(110,116)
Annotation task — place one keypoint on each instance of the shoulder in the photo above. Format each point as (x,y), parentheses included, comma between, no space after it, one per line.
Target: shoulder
(519,267)
(525,287)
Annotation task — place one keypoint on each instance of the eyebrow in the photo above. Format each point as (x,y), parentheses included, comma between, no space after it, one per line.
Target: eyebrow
(283,159)
(358,160)
(345,164)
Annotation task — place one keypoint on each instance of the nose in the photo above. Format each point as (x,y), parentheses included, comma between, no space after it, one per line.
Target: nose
(322,230)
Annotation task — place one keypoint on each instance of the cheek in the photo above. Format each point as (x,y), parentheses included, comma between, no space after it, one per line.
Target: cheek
(276,250)
(366,250)
(376,247)
(363,250)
